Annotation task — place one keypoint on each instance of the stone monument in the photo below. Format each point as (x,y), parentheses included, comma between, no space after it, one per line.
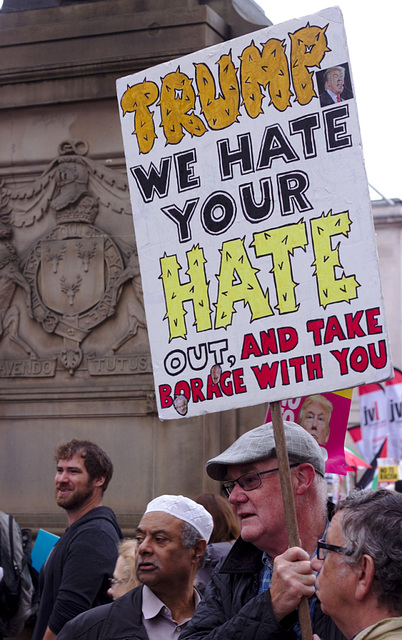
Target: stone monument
(74,352)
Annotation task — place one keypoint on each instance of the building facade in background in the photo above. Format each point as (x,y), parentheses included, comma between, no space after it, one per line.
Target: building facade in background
(74,352)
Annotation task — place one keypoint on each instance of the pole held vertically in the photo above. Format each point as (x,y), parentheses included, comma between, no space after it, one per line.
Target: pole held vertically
(289,506)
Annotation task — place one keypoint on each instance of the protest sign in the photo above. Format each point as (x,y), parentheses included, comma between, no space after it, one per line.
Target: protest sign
(388,473)
(325,416)
(253,223)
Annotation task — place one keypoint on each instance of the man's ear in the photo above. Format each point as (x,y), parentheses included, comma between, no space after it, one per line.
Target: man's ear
(303,476)
(199,550)
(98,482)
(365,576)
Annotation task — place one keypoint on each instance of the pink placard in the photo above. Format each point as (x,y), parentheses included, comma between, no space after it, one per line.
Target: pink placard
(328,426)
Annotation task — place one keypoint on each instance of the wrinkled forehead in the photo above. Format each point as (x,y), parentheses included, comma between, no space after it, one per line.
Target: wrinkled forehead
(334,533)
(315,406)
(77,461)
(335,74)
(234,471)
(160,520)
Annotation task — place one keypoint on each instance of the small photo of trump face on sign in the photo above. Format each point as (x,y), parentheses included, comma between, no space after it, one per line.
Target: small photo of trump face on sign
(315,417)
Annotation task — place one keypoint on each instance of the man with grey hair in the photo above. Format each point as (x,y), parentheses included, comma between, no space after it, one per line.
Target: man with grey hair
(334,82)
(255,591)
(360,566)
(172,537)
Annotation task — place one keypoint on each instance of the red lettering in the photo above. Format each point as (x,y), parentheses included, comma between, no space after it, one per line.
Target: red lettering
(341,357)
(359,359)
(288,338)
(314,327)
(196,390)
(297,363)
(353,327)
(239,385)
(284,371)
(182,388)
(226,383)
(250,347)
(164,395)
(314,367)
(268,342)
(213,389)
(333,330)
(372,320)
(266,375)
(378,361)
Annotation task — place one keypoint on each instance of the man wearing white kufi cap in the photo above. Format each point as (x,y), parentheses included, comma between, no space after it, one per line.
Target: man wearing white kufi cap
(172,537)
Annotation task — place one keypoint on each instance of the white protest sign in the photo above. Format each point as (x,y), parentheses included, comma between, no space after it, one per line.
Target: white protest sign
(253,223)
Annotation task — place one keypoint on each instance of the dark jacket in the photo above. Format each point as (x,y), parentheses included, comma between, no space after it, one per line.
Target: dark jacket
(233,609)
(120,619)
(214,552)
(75,576)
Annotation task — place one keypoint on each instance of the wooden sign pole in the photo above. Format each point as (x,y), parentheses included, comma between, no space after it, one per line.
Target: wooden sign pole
(289,504)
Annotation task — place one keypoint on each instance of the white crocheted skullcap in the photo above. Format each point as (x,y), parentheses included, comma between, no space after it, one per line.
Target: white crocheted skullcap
(184,509)
(259,443)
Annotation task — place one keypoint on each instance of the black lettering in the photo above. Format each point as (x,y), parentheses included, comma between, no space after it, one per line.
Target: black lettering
(185,173)
(255,212)
(292,187)
(242,156)
(306,126)
(153,181)
(275,145)
(335,130)
(182,218)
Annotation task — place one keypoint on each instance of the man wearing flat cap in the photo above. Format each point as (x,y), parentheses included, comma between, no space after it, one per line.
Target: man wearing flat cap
(254,592)
(172,537)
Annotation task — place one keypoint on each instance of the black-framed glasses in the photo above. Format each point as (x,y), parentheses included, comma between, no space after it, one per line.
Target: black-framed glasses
(249,481)
(114,581)
(323,547)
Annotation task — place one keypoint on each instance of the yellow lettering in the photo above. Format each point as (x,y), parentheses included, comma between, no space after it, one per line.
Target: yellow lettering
(223,111)
(309,46)
(238,283)
(177,103)
(280,243)
(176,293)
(137,99)
(260,69)
(330,288)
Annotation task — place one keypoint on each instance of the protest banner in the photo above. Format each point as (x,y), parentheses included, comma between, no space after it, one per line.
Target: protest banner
(373,418)
(393,394)
(253,222)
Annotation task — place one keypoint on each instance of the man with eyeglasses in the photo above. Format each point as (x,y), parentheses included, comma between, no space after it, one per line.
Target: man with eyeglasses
(171,540)
(255,591)
(359,566)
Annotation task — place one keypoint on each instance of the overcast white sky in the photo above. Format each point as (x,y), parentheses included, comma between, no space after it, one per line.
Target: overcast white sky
(373,33)
(374,39)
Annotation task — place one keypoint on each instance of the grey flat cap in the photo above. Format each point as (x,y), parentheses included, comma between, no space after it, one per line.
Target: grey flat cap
(259,443)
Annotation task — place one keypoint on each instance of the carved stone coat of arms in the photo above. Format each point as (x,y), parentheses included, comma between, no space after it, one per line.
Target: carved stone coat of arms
(67,257)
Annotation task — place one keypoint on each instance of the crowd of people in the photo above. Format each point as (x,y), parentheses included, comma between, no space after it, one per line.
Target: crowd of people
(214,567)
